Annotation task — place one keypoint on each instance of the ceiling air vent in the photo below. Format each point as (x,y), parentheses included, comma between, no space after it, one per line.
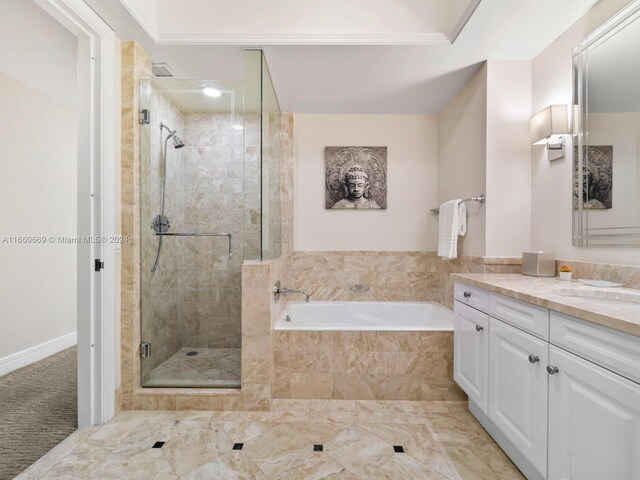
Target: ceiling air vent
(161,70)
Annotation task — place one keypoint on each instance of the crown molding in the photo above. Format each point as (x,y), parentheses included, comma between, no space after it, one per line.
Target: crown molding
(146,25)
(304,39)
(466,16)
(300,38)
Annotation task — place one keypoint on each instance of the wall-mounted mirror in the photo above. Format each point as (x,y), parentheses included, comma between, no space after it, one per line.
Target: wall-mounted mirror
(606,90)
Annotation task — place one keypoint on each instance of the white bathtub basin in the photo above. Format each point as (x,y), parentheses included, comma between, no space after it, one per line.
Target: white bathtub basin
(396,316)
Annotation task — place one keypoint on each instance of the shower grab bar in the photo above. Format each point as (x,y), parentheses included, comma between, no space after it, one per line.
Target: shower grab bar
(179,234)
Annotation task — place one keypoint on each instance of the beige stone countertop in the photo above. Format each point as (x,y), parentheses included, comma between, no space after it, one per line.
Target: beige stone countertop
(543,291)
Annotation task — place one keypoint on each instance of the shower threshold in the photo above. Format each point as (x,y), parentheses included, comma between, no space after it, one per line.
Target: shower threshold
(198,368)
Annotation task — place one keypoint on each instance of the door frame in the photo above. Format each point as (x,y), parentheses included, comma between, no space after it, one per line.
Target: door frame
(97,203)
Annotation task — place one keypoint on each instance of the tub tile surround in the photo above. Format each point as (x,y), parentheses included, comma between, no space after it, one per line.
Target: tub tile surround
(441,440)
(386,276)
(364,365)
(542,291)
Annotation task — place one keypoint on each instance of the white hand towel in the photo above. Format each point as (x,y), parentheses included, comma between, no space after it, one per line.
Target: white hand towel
(462,211)
(448,229)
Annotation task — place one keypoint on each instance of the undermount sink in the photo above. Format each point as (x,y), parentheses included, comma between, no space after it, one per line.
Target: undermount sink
(605,297)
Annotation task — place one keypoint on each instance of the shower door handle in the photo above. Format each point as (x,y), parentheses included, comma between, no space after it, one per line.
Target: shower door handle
(180,234)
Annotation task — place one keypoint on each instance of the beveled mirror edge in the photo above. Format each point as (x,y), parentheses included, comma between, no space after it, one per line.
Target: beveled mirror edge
(582,237)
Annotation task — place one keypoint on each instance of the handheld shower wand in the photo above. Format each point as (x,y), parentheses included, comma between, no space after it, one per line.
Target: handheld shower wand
(160,223)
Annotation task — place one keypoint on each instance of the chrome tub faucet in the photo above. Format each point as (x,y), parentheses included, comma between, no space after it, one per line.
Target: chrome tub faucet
(284,291)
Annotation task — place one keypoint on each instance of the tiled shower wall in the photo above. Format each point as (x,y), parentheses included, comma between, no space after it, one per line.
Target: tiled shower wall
(256,328)
(159,292)
(271,185)
(193,299)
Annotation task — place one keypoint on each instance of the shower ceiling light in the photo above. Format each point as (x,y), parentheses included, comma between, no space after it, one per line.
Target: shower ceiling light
(211,91)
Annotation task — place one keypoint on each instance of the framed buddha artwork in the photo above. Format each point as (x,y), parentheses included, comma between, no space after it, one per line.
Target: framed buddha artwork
(355,178)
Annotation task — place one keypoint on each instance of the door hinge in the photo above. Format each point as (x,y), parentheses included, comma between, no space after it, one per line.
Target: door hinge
(98,265)
(144,116)
(145,350)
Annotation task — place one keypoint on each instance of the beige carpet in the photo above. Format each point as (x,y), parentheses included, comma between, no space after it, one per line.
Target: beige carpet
(38,409)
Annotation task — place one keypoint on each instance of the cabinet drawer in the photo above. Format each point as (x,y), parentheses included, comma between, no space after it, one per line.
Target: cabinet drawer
(614,350)
(472,296)
(530,318)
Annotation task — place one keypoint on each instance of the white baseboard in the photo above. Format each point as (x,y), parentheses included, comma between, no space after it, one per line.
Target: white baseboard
(33,354)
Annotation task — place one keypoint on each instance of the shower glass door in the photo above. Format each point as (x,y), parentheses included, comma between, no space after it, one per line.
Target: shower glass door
(192,216)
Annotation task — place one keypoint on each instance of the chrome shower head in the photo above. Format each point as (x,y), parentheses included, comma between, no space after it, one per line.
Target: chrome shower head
(177,141)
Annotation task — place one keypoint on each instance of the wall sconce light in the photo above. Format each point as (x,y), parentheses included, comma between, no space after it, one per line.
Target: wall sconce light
(549,127)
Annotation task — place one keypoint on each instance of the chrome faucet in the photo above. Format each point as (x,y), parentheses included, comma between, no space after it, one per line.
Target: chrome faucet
(288,291)
(277,291)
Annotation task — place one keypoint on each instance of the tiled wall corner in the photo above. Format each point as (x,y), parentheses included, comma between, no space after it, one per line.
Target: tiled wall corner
(136,65)
(470,264)
(286,184)
(256,338)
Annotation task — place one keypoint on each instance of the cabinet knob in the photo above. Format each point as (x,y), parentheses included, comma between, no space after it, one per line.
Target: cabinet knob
(479,328)
(534,358)
(466,294)
(551,370)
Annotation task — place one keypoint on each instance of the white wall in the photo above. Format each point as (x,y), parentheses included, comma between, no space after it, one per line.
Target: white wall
(412,151)
(304,16)
(36,51)
(552,182)
(38,195)
(38,181)
(462,145)
(508,204)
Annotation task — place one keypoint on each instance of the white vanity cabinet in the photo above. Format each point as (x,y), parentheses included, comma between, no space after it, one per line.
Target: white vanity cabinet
(518,390)
(560,395)
(594,421)
(471,353)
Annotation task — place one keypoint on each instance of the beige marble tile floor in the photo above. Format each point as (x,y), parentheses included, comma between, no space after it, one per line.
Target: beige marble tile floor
(210,367)
(441,440)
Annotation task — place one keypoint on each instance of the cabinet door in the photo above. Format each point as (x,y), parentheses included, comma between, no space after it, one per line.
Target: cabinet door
(594,421)
(518,390)
(470,353)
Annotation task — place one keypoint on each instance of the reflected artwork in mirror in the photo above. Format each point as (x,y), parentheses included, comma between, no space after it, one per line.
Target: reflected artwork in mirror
(606,173)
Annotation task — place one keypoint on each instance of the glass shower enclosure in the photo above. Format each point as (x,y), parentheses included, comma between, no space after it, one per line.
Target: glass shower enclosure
(210,168)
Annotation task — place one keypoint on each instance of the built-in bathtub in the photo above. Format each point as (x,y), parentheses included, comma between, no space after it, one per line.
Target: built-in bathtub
(364,350)
(366,316)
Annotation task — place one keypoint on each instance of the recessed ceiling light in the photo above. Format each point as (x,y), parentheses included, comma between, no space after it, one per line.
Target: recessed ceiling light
(237,126)
(211,92)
